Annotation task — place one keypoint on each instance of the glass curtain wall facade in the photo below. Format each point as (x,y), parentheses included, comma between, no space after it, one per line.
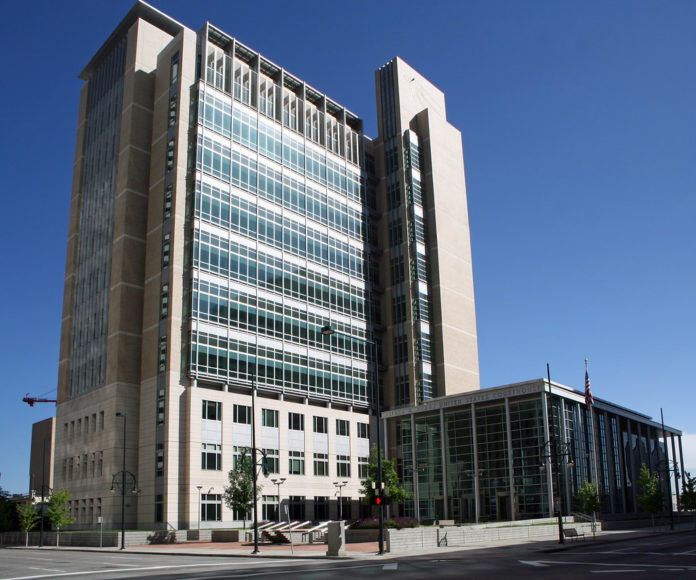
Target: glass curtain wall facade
(279,246)
(495,456)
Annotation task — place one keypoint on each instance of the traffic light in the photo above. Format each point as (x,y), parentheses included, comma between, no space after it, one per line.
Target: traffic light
(381,499)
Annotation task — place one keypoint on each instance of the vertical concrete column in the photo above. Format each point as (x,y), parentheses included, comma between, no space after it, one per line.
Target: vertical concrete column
(511,479)
(475,475)
(336,539)
(547,451)
(443,434)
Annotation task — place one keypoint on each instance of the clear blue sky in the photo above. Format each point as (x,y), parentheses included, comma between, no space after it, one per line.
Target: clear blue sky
(580,148)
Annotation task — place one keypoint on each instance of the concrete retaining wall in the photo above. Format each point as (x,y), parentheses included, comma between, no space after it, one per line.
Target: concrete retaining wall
(91,539)
(223,535)
(402,541)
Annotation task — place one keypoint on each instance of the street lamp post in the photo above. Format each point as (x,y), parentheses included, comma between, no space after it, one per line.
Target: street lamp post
(278,482)
(255,463)
(199,488)
(123,484)
(340,485)
(328,331)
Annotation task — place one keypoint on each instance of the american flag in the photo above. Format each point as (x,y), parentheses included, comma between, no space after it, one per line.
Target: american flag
(589,399)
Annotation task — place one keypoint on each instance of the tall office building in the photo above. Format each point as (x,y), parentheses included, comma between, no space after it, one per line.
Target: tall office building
(223,213)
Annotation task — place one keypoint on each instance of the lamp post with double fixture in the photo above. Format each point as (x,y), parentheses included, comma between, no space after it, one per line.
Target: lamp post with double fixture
(278,482)
(340,485)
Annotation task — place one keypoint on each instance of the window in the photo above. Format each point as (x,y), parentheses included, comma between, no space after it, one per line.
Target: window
(172,111)
(241,414)
(296,462)
(296,503)
(164,301)
(342,427)
(342,466)
(321,464)
(321,508)
(362,467)
(321,425)
(159,460)
(174,70)
(211,507)
(212,410)
(240,515)
(269,418)
(170,154)
(269,508)
(272,460)
(168,193)
(400,349)
(211,456)
(363,430)
(159,508)
(296,422)
(166,248)
(162,354)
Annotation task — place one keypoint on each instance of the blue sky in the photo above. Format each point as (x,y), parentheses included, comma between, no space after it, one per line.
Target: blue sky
(579,136)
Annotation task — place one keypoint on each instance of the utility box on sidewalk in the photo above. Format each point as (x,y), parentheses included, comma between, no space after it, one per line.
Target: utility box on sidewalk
(336,539)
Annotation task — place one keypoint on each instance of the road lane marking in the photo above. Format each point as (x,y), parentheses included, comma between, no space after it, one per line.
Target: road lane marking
(540,563)
(148,568)
(535,563)
(392,566)
(615,571)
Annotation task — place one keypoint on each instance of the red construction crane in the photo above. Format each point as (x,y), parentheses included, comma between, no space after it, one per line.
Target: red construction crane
(32,400)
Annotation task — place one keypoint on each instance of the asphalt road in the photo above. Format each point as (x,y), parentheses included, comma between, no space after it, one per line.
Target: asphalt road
(661,556)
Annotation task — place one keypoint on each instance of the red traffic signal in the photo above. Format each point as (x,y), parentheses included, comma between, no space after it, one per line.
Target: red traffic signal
(381,500)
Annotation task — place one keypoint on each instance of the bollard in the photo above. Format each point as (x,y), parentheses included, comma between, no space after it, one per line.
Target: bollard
(337,540)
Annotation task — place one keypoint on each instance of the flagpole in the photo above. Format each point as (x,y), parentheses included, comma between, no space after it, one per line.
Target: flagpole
(589,401)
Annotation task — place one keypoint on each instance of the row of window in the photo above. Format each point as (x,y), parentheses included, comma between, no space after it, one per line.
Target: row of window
(233,212)
(284,278)
(211,460)
(83,466)
(212,411)
(83,427)
(288,235)
(265,137)
(232,359)
(246,312)
(211,508)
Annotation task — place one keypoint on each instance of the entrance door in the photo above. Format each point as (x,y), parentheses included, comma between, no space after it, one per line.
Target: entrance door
(468,508)
(503,507)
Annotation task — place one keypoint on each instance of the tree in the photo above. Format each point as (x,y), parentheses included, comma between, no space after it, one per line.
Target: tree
(650,499)
(589,500)
(8,515)
(59,512)
(28,516)
(392,486)
(239,494)
(688,495)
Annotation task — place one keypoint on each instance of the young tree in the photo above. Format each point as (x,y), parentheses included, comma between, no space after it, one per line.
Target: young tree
(392,486)
(589,500)
(650,499)
(28,516)
(239,494)
(688,495)
(59,512)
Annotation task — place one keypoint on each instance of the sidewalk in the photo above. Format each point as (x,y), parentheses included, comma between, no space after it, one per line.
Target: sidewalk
(368,550)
